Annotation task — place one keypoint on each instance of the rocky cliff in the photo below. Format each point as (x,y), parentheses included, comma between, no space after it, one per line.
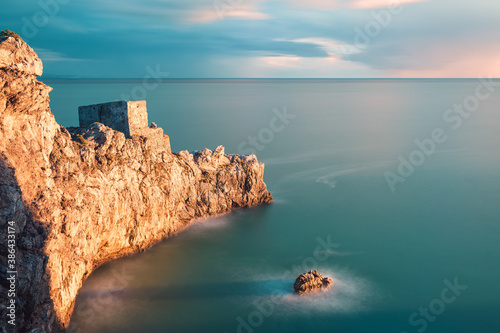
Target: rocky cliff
(71,199)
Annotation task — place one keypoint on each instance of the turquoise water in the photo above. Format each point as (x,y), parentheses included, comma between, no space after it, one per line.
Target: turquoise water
(393,254)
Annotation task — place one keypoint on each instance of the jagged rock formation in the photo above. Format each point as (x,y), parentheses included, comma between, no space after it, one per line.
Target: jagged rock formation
(311,281)
(80,197)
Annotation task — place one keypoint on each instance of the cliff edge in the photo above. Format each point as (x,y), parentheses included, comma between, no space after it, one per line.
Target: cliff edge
(71,199)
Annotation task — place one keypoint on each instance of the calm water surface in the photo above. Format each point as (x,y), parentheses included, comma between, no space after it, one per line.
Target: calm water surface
(392,252)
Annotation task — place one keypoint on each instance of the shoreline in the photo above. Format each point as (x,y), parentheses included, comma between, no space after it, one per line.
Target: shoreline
(82,197)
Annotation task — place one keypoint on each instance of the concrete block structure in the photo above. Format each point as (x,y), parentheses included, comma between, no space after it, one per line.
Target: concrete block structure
(128,117)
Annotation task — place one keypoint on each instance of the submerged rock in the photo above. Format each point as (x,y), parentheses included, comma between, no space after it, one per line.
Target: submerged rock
(311,281)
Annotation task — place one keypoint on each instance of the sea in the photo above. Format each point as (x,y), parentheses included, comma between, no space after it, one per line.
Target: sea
(389,187)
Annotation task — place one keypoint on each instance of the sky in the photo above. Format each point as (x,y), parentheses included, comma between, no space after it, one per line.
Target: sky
(260,38)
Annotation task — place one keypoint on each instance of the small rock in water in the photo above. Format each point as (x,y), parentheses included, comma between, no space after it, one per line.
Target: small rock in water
(311,281)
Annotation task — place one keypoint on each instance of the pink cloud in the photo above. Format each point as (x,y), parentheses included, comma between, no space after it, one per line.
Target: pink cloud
(236,12)
(369,4)
(282,61)
(472,57)
(285,65)
(464,66)
(354,4)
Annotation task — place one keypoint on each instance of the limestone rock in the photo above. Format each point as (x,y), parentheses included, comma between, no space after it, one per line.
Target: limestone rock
(311,281)
(82,196)
(16,55)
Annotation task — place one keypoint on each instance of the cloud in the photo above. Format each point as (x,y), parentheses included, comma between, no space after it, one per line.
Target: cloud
(371,4)
(283,61)
(352,4)
(292,66)
(221,12)
(52,56)
(330,46)
(466,46)
(265,38)
(451,62)
(186,11)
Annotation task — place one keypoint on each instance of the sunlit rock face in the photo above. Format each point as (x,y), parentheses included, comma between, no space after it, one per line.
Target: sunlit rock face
(81,196)
(311,281)
(16,55)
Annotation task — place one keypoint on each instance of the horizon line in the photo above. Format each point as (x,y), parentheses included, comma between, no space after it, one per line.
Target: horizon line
(277,78)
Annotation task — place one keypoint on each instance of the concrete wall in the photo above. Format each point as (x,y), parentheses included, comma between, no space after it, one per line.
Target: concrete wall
(88,115)
(129,117)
